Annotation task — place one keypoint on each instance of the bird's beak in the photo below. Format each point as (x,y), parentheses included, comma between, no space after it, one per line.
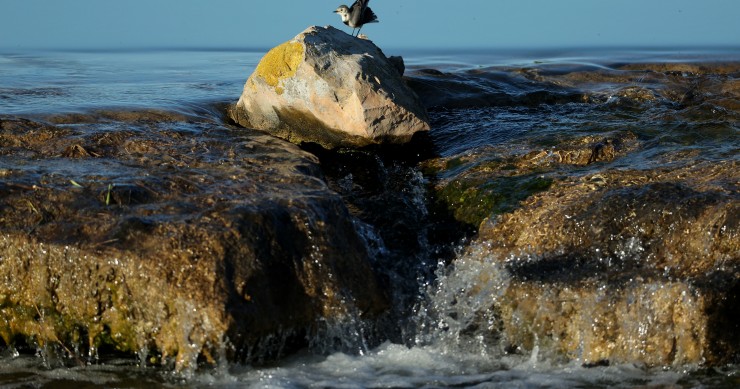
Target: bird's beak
(335,11)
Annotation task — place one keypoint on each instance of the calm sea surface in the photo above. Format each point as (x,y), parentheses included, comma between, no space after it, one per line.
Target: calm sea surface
(54,82)
(41,84)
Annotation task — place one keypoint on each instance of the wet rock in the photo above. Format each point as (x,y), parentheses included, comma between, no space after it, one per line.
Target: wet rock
(683,220)
(631,97)
(685,68)
(609,233)
(185,247)
(136,116)
(329,88)
(397,62)
(487,89)
(623,266)
(643,84)
(497,181)
(19,135)
(653,322)
(581,151)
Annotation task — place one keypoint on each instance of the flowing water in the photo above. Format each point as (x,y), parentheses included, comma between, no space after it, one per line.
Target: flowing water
(500,104)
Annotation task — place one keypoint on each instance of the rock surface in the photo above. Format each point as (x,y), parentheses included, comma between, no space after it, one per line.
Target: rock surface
(610,234)
(483,186)
(176,244)
(625,266)
(615,266)
(330,88)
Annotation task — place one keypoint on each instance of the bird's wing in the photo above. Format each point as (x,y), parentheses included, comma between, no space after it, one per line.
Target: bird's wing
(360,13)
(356,12)
(369,16)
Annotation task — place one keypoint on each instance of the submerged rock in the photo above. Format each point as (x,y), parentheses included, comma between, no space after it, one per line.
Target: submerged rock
(177,244)
(475,88)
(330,88)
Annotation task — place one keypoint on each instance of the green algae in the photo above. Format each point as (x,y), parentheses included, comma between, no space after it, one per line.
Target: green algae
(46,323)
(476,186)
(41,326)
(471,202)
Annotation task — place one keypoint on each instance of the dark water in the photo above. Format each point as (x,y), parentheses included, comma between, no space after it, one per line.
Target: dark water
(682,105)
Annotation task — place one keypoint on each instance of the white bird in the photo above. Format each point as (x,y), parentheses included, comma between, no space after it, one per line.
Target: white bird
(357,15)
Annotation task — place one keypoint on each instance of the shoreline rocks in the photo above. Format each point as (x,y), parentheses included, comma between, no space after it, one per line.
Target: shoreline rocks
(330,88)
(611,235)
(620,266)
(186,240)
(177,245)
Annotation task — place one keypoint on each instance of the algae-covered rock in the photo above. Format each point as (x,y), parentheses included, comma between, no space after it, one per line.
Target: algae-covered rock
(620,266)
(610,230)
(179,244)
(330,88)
(684,221)
(497,181)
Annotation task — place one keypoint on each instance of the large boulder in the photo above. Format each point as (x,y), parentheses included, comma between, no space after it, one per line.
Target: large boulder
(330,88)
(120,233)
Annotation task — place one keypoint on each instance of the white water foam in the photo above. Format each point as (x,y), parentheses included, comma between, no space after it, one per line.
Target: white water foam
(397,366)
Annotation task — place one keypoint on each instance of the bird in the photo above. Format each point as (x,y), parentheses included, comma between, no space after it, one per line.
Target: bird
(357,15)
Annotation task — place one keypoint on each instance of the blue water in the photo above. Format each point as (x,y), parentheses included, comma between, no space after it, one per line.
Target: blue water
(69,81)
(54,82)
(37,84)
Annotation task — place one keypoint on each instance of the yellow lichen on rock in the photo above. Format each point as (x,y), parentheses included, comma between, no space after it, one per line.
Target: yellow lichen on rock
(280,63)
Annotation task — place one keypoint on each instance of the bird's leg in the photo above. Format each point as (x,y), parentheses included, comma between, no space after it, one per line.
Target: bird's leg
(353,31)
(358,31)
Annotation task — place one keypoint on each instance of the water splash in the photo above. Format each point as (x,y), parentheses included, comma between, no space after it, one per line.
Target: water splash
(458,314)
(480,305)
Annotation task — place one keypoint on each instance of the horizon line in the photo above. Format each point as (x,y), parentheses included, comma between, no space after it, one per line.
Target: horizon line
(257,48)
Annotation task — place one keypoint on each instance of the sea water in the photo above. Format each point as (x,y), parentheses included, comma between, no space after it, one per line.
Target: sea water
(432,352)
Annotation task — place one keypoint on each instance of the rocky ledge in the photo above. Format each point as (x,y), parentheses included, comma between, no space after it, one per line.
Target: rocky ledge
(624,266)
(330,88)
(132,231)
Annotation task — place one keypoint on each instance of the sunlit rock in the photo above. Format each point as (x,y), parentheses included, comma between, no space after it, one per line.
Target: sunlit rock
(622,266)
(330,88)
(681,222)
